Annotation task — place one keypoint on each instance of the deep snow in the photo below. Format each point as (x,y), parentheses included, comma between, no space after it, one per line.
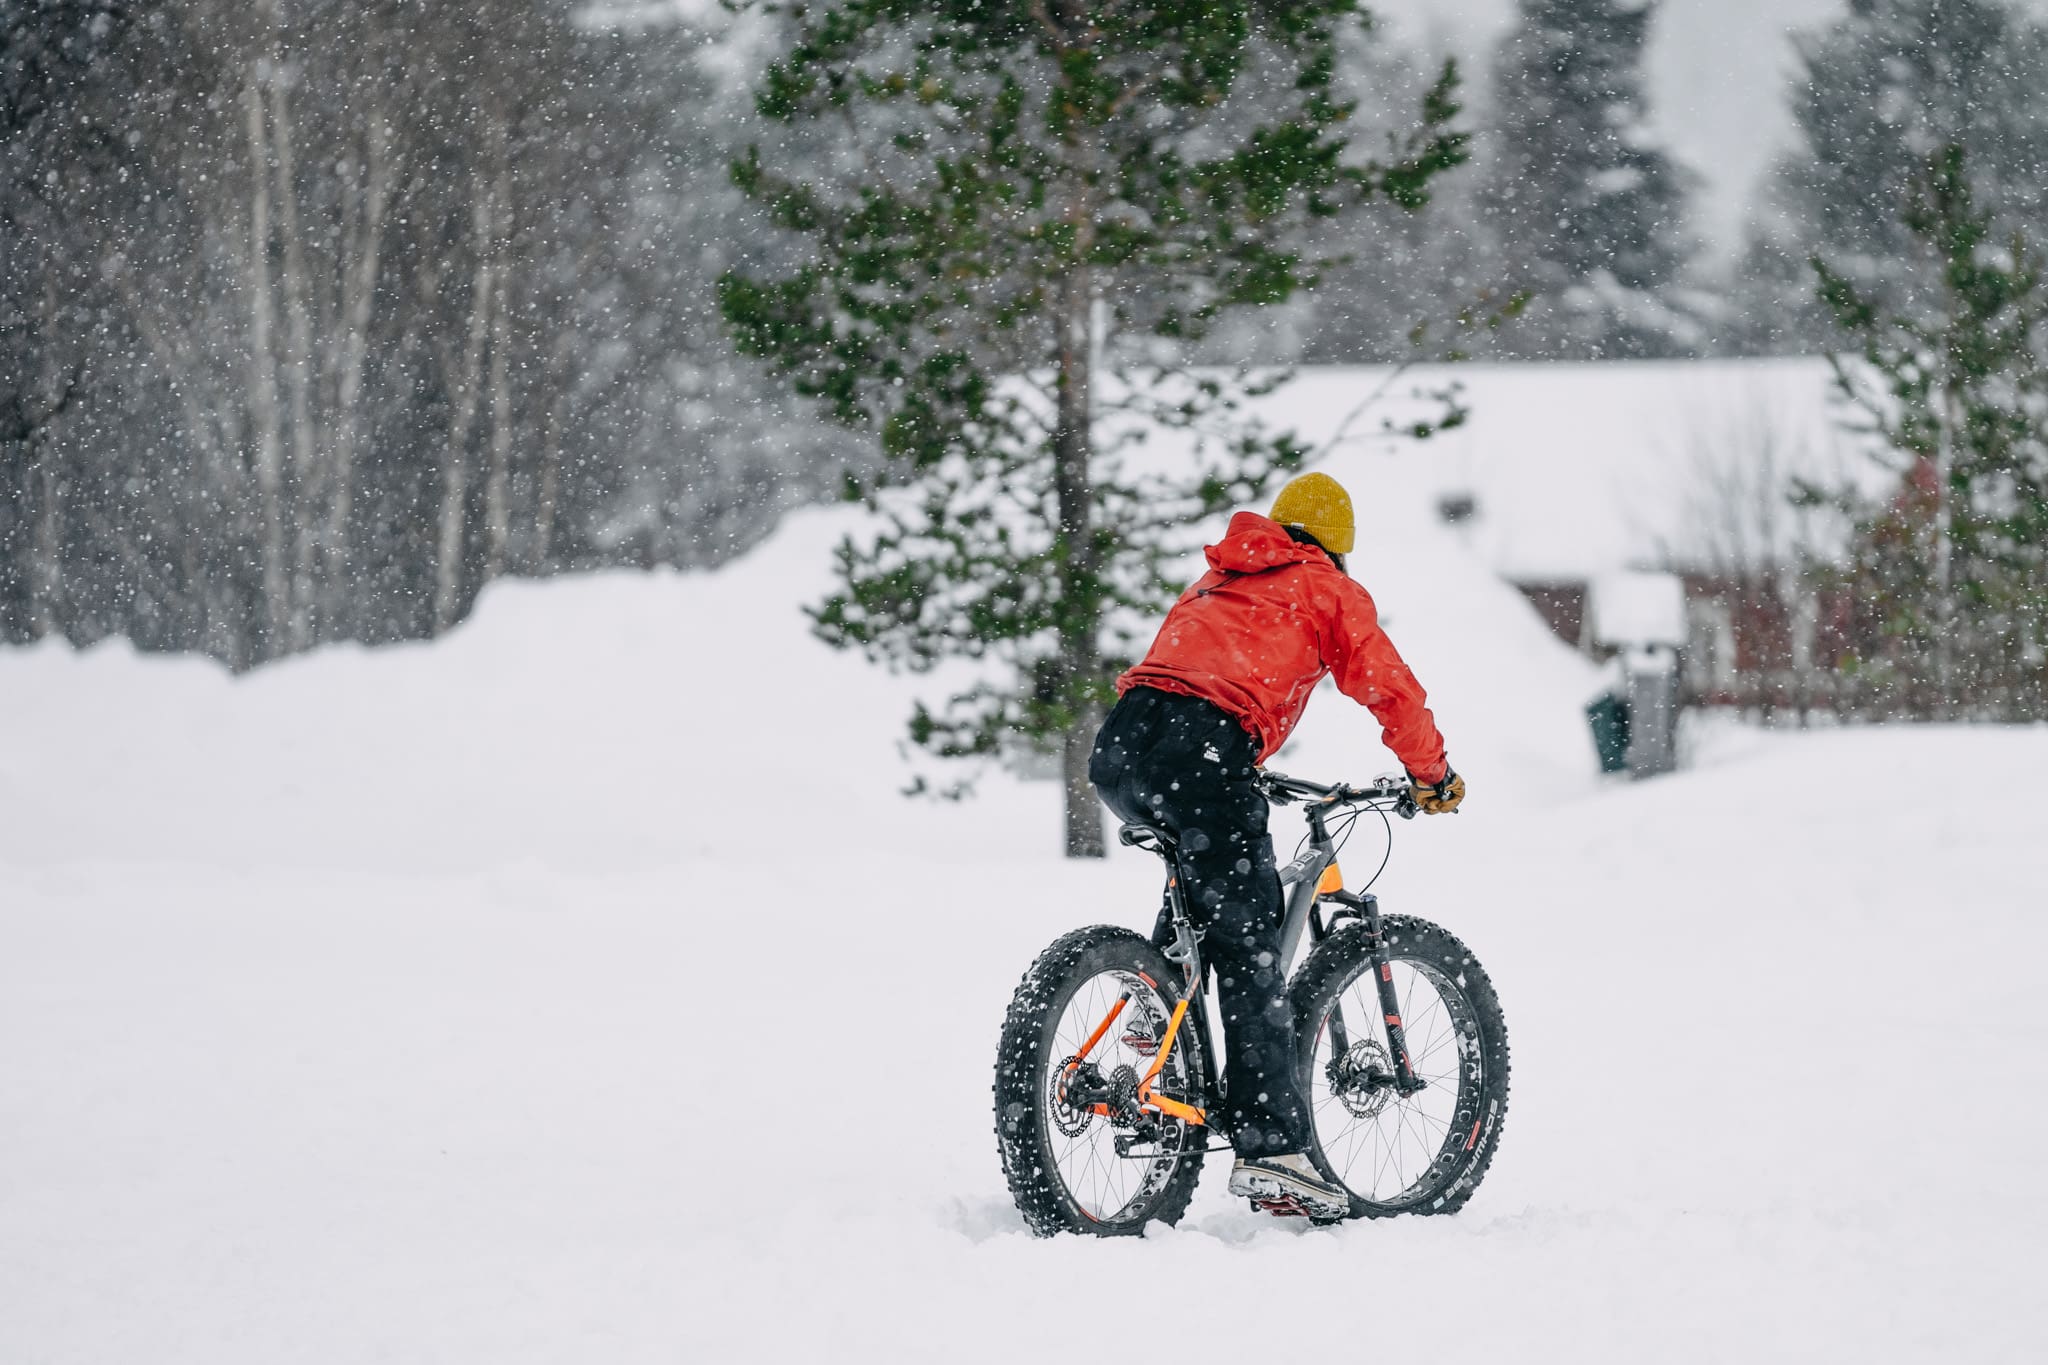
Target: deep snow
(578,989)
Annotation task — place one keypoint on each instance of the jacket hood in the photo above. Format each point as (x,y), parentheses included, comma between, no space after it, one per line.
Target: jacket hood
(1253,542)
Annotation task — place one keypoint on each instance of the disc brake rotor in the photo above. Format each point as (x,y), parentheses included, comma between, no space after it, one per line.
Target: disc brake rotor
(1069,1118)
(1351,1078)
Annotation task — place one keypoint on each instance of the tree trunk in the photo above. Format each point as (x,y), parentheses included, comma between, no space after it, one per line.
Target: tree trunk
(455,467)
(550,491)
(305,478)
(360,286)
(1080,604)
(498,479)
(1946,421)
(269,453)
(45,567)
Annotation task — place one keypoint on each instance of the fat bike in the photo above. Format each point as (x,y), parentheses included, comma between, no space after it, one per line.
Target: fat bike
(1105,1075)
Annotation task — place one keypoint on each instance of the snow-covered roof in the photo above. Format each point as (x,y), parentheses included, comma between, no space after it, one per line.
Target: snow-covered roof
(1572,471)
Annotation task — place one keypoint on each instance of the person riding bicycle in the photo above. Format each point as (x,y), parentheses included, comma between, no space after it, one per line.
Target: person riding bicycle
(1222,686)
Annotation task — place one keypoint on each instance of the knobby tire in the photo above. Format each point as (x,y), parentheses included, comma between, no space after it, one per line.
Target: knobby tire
(1027,1128)
(1476,1035)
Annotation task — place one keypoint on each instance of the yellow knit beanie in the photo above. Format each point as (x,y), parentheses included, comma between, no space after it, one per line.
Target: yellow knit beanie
(1319,505)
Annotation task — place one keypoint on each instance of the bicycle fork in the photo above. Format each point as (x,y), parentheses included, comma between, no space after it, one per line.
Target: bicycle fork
(1366,909)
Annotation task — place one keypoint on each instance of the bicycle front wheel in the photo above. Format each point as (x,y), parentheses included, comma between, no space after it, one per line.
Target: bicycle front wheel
(1084,1033)
(1423,1152)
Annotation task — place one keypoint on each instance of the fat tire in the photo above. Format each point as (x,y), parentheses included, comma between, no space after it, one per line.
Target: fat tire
(1022,1061)
(1335,964)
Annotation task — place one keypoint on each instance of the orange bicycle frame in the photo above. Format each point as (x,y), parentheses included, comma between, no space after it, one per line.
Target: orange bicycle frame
(1148,1098)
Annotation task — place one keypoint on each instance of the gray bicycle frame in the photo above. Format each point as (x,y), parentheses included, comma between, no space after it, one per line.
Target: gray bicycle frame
(1304,874)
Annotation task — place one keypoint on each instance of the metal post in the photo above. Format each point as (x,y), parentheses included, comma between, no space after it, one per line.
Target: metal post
(1653,711)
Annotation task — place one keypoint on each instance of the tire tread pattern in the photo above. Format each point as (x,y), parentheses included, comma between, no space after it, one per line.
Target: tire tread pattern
(1020,1083)
(1332,966)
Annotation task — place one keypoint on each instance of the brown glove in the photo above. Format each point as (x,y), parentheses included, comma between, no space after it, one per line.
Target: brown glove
(1439,797)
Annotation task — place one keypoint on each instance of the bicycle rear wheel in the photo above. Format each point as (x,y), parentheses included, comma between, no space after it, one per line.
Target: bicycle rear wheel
(1418,1153)
(1083,1031)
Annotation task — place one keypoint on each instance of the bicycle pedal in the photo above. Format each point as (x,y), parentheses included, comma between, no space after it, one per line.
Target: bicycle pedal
(1287,1206)
(1144,1044)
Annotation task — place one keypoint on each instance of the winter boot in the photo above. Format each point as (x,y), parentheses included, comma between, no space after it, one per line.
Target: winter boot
(1288,1184)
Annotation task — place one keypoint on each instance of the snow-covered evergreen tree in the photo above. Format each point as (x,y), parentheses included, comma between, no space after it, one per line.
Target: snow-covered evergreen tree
(1586,205)
(1877,92)
(1949,568)
(1406,284)
(1014,183)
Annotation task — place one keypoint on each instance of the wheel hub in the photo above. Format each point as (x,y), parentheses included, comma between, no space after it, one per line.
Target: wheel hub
(1363,1078)
(1069,1110)
(1077,1089)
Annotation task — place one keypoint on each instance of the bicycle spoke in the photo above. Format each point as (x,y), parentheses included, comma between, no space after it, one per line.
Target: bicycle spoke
(1384,1145)
(1426,1117)
(1102,1183)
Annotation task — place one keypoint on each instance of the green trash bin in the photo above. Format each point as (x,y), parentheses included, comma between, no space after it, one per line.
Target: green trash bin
(1609,716)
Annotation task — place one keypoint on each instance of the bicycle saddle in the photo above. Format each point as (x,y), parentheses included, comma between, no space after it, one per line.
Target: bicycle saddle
(1154,837)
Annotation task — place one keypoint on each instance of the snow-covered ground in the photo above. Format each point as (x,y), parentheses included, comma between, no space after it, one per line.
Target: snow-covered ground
(579,990)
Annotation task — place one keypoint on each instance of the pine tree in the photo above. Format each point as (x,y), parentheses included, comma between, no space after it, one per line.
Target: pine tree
(1587,208)
(1876,92)
(1399,273)
(1020,183)
(1950,568)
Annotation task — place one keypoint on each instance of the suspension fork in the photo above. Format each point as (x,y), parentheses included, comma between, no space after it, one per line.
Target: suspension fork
(1340,1035)
(1367,909)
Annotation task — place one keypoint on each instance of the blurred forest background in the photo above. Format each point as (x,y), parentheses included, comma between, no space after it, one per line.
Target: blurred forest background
(317,317)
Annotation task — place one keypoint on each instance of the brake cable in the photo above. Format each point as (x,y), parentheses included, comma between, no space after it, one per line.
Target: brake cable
(1341,834)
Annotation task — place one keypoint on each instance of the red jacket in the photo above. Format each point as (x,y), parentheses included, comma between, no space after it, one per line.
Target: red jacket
(1258,631)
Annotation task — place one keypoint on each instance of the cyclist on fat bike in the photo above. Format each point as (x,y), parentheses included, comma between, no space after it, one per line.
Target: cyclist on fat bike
(1217,694)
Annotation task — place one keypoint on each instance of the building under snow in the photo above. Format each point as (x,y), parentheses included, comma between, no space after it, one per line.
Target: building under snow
(1566,475)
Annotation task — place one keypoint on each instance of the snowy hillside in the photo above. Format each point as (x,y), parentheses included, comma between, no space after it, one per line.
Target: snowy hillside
(578,989)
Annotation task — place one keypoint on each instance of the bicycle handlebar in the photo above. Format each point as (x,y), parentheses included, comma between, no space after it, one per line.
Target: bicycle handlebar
(1282,789)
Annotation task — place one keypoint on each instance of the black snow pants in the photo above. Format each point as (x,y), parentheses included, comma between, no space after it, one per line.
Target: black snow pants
(1186,765)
